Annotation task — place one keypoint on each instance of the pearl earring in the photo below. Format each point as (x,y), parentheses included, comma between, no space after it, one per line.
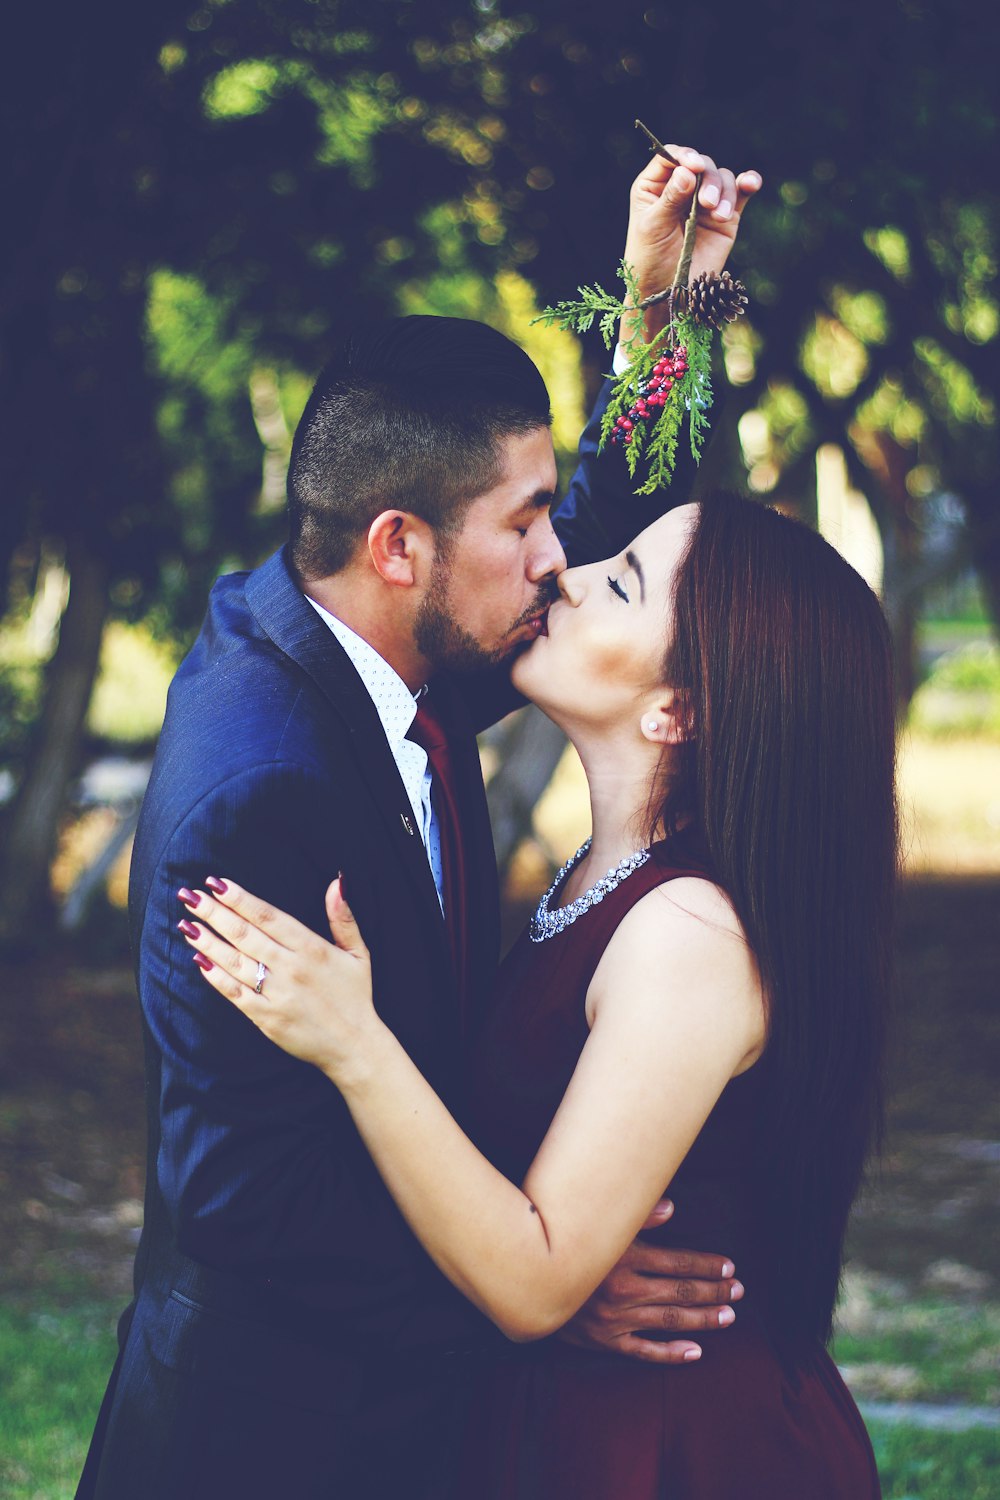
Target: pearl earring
(652,726)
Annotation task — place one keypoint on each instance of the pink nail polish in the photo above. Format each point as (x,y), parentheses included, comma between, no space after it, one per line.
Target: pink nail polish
(188,897)
(203,962)
(727,1316)
(218,886)
(727,1269)
(737,1291)
(692,1354)
(188,929)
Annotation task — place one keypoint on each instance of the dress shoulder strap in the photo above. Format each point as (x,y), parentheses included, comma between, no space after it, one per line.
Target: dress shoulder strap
(584,942)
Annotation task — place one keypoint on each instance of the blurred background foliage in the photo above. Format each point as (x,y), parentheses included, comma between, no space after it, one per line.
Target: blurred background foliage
(204,194)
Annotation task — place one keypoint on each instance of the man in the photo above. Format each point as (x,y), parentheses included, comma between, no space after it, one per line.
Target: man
(288,1335)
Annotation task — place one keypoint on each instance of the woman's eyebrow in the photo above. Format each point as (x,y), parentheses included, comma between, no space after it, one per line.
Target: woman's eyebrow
(636,567)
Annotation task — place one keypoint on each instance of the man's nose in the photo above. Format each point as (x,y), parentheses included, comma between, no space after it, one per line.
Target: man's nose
(549,560)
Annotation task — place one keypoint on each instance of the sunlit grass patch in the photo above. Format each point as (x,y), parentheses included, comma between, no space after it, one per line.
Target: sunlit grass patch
(895,1343)
(921,1465)
(54,1366)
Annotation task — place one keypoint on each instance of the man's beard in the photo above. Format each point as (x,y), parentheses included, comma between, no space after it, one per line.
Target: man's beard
(446,644)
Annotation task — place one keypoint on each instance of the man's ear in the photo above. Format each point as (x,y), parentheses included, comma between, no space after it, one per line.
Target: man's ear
(399,544)
(667,718)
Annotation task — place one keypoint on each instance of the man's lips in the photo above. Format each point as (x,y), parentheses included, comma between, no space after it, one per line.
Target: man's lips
(538,624)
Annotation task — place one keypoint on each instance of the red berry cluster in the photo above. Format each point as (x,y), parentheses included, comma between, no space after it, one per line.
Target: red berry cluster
(652,393)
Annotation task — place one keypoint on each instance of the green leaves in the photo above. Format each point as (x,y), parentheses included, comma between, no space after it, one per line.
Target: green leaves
(652,439)
(578,317)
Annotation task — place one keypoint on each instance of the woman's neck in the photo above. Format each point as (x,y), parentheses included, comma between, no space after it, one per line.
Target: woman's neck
(619,777)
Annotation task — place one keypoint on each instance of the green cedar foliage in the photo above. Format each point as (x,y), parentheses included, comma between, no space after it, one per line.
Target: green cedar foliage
(654,439)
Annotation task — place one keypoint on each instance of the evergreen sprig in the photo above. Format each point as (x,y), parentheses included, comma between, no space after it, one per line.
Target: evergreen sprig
(654,439)
(690,400)
(578,317)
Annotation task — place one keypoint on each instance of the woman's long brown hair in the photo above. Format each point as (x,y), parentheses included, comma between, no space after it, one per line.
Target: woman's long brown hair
(789,777)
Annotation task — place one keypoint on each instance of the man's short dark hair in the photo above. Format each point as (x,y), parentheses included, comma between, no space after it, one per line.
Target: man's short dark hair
(410,414)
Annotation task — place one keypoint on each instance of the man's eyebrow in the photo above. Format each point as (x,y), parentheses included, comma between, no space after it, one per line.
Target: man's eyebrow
(538,500)
(636,567)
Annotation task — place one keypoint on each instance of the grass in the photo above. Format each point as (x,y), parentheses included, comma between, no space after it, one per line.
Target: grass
(931,1349)
(54,1366)
(916,1465)
(962,692)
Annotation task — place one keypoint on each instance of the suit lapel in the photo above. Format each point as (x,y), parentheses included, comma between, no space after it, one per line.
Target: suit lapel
(482,895)
(293,625)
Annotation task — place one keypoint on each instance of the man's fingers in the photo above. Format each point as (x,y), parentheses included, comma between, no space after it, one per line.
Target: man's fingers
(663,1211)
(695,161)
(710,187)
(657,170)
(747,184)
(680,185)
(658,1260)
(727,195)
(669,1318)
(676,1352)
(687,1293)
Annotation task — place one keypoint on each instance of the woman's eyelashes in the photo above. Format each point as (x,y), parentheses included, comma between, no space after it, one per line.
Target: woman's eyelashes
(615,586)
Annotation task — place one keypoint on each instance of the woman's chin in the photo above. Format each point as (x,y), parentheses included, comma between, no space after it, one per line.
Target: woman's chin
(525,674)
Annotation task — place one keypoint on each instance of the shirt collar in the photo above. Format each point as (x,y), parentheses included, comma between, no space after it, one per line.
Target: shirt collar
(395,704)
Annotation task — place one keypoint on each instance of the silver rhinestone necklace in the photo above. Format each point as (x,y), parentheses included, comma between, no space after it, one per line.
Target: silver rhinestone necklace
(545,924)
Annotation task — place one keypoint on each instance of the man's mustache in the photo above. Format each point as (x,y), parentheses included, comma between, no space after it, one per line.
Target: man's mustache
(547,595)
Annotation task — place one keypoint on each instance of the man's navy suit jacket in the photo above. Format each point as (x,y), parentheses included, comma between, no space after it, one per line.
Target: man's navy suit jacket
(289,1336)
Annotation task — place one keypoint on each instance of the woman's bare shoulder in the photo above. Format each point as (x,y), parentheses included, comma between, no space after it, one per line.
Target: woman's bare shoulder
(688,910)
(684,942)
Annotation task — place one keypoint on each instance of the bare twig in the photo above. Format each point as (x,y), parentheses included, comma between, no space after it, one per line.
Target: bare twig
(690,231)
(687,249)
(656,145)
(680,281)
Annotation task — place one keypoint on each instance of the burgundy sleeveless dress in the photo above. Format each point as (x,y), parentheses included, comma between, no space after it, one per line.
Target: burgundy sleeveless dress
(747,1421)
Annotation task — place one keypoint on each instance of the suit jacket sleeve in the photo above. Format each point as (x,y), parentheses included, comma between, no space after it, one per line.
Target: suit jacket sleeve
(259,1166)
(597,517)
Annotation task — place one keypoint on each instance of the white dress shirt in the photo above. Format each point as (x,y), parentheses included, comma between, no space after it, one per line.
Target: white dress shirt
(396,708)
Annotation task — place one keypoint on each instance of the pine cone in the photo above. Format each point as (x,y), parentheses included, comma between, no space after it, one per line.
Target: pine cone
(712,300)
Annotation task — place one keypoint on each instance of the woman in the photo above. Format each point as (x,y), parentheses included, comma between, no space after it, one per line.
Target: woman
(698,1001)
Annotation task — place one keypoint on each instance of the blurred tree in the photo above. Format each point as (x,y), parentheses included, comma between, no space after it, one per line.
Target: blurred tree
(205,190)
(202,195)
(872,254)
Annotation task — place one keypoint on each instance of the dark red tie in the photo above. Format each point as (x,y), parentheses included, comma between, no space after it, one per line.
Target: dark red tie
(428,732)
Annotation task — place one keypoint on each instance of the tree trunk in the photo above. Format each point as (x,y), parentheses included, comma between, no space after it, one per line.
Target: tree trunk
(33,824)
(888,463)
(530,750)
(984,524)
